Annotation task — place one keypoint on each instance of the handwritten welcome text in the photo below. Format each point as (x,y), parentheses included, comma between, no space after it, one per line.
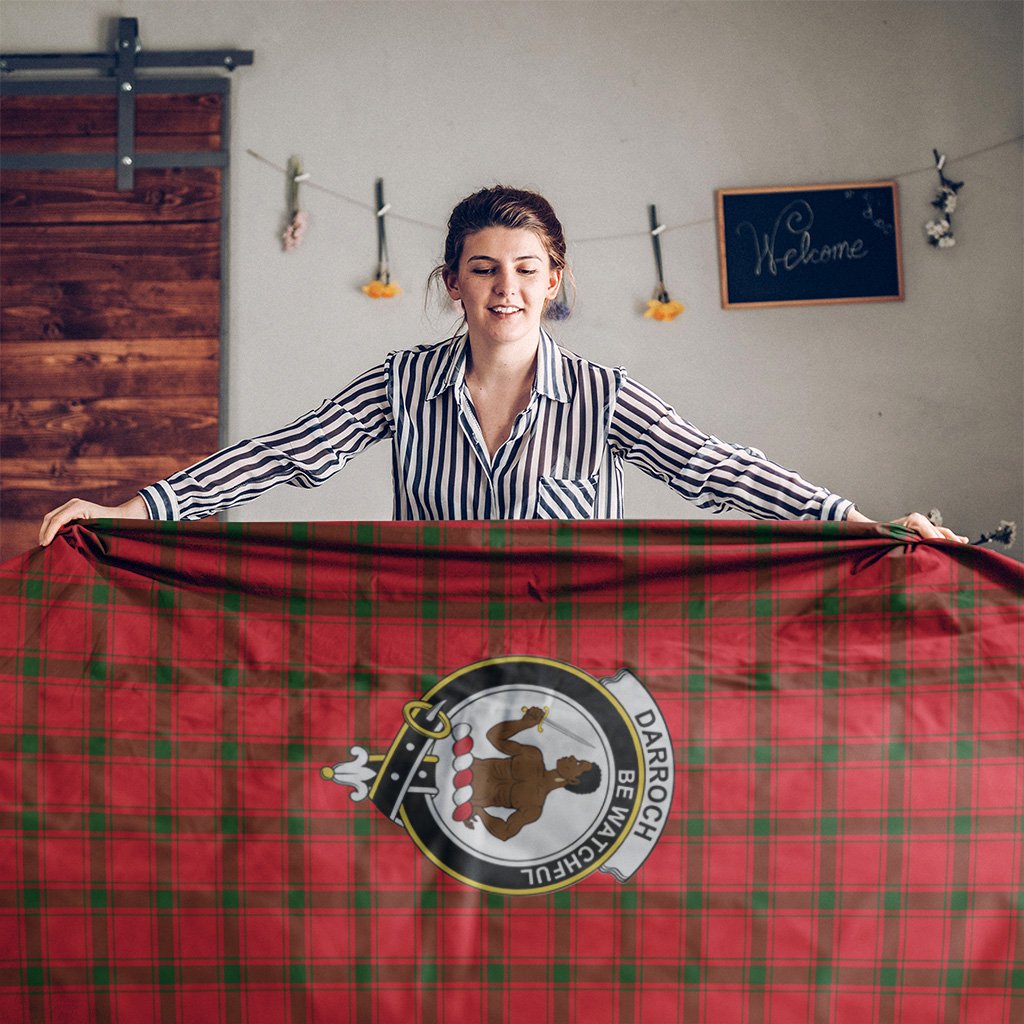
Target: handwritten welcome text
(794,222)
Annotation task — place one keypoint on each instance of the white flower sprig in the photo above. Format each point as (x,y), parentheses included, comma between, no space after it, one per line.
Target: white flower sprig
(940,231)
(1004,533)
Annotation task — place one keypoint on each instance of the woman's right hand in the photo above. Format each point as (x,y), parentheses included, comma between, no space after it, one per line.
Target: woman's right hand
(76,508)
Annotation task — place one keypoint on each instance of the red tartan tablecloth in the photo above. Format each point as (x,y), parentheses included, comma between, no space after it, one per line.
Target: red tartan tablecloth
(811,806)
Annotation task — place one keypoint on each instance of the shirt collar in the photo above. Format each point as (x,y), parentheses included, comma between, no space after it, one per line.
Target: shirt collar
(451,370)
(550,379)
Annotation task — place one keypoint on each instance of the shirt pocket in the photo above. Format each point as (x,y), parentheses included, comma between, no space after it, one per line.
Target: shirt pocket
(566,498)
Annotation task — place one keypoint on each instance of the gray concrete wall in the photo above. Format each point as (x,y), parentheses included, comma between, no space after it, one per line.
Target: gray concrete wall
(606,107)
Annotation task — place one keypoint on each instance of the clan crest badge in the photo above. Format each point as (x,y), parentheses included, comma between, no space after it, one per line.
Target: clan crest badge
(523,775)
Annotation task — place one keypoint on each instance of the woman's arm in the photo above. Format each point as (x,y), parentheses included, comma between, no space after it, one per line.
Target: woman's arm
(715,474)
(305,453)
(712,473)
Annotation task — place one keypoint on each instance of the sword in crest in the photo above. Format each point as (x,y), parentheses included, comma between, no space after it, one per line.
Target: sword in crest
(559,728)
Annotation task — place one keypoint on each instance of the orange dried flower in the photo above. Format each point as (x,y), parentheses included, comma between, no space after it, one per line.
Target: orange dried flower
(665,311)
(380,290)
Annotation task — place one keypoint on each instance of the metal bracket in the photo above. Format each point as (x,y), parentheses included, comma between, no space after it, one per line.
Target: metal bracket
(123,65)
(128,46)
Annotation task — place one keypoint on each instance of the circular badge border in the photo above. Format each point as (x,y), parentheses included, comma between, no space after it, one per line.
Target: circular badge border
(607,855)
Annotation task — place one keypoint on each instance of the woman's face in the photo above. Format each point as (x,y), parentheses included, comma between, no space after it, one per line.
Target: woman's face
(504,279)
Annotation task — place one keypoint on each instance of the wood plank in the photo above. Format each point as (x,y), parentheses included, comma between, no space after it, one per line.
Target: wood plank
(111,369)
(95,310)
(109,252)
(108,144)
(93,472)
(18,536)
(82,197)
(84,116)
(60,429)
(29,488)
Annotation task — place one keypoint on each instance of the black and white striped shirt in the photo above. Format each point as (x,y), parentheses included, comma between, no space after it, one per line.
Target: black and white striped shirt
(562,460)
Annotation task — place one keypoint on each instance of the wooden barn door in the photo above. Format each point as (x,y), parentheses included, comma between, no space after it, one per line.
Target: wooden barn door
(110,310)
(111,303)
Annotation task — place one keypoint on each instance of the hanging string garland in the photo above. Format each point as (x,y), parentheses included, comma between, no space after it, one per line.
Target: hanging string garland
(940,232)
(298,218)
(661,307)
(381,287)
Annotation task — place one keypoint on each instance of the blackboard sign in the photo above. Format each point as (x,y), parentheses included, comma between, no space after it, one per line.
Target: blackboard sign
(810,244)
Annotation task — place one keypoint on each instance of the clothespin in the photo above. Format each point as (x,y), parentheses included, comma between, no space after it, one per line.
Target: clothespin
(940,163)
(295,178)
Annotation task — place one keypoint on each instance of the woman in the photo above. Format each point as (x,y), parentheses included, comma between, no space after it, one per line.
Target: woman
(498,422)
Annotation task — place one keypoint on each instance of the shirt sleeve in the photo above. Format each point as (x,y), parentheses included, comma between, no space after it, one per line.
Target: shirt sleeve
(713,474)
(304,454)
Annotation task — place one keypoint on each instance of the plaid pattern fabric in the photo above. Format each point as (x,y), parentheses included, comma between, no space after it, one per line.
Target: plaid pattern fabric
(845,836)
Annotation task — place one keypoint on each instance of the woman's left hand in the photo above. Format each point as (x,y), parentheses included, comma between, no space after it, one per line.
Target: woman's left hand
(920,524)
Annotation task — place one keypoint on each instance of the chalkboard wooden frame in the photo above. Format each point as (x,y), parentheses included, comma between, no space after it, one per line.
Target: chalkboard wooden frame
(854,253)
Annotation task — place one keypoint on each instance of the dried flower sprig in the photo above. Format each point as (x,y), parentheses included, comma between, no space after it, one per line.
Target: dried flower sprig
(298,218)
(1004,533)
(292,235)
(661,307)
(381,287)
(665,311)
(558,308)
(940,231)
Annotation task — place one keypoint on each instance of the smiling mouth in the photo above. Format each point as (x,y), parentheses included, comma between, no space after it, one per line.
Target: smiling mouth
(505,310)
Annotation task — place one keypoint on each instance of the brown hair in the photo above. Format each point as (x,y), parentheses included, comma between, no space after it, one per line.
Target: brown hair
(501,207)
